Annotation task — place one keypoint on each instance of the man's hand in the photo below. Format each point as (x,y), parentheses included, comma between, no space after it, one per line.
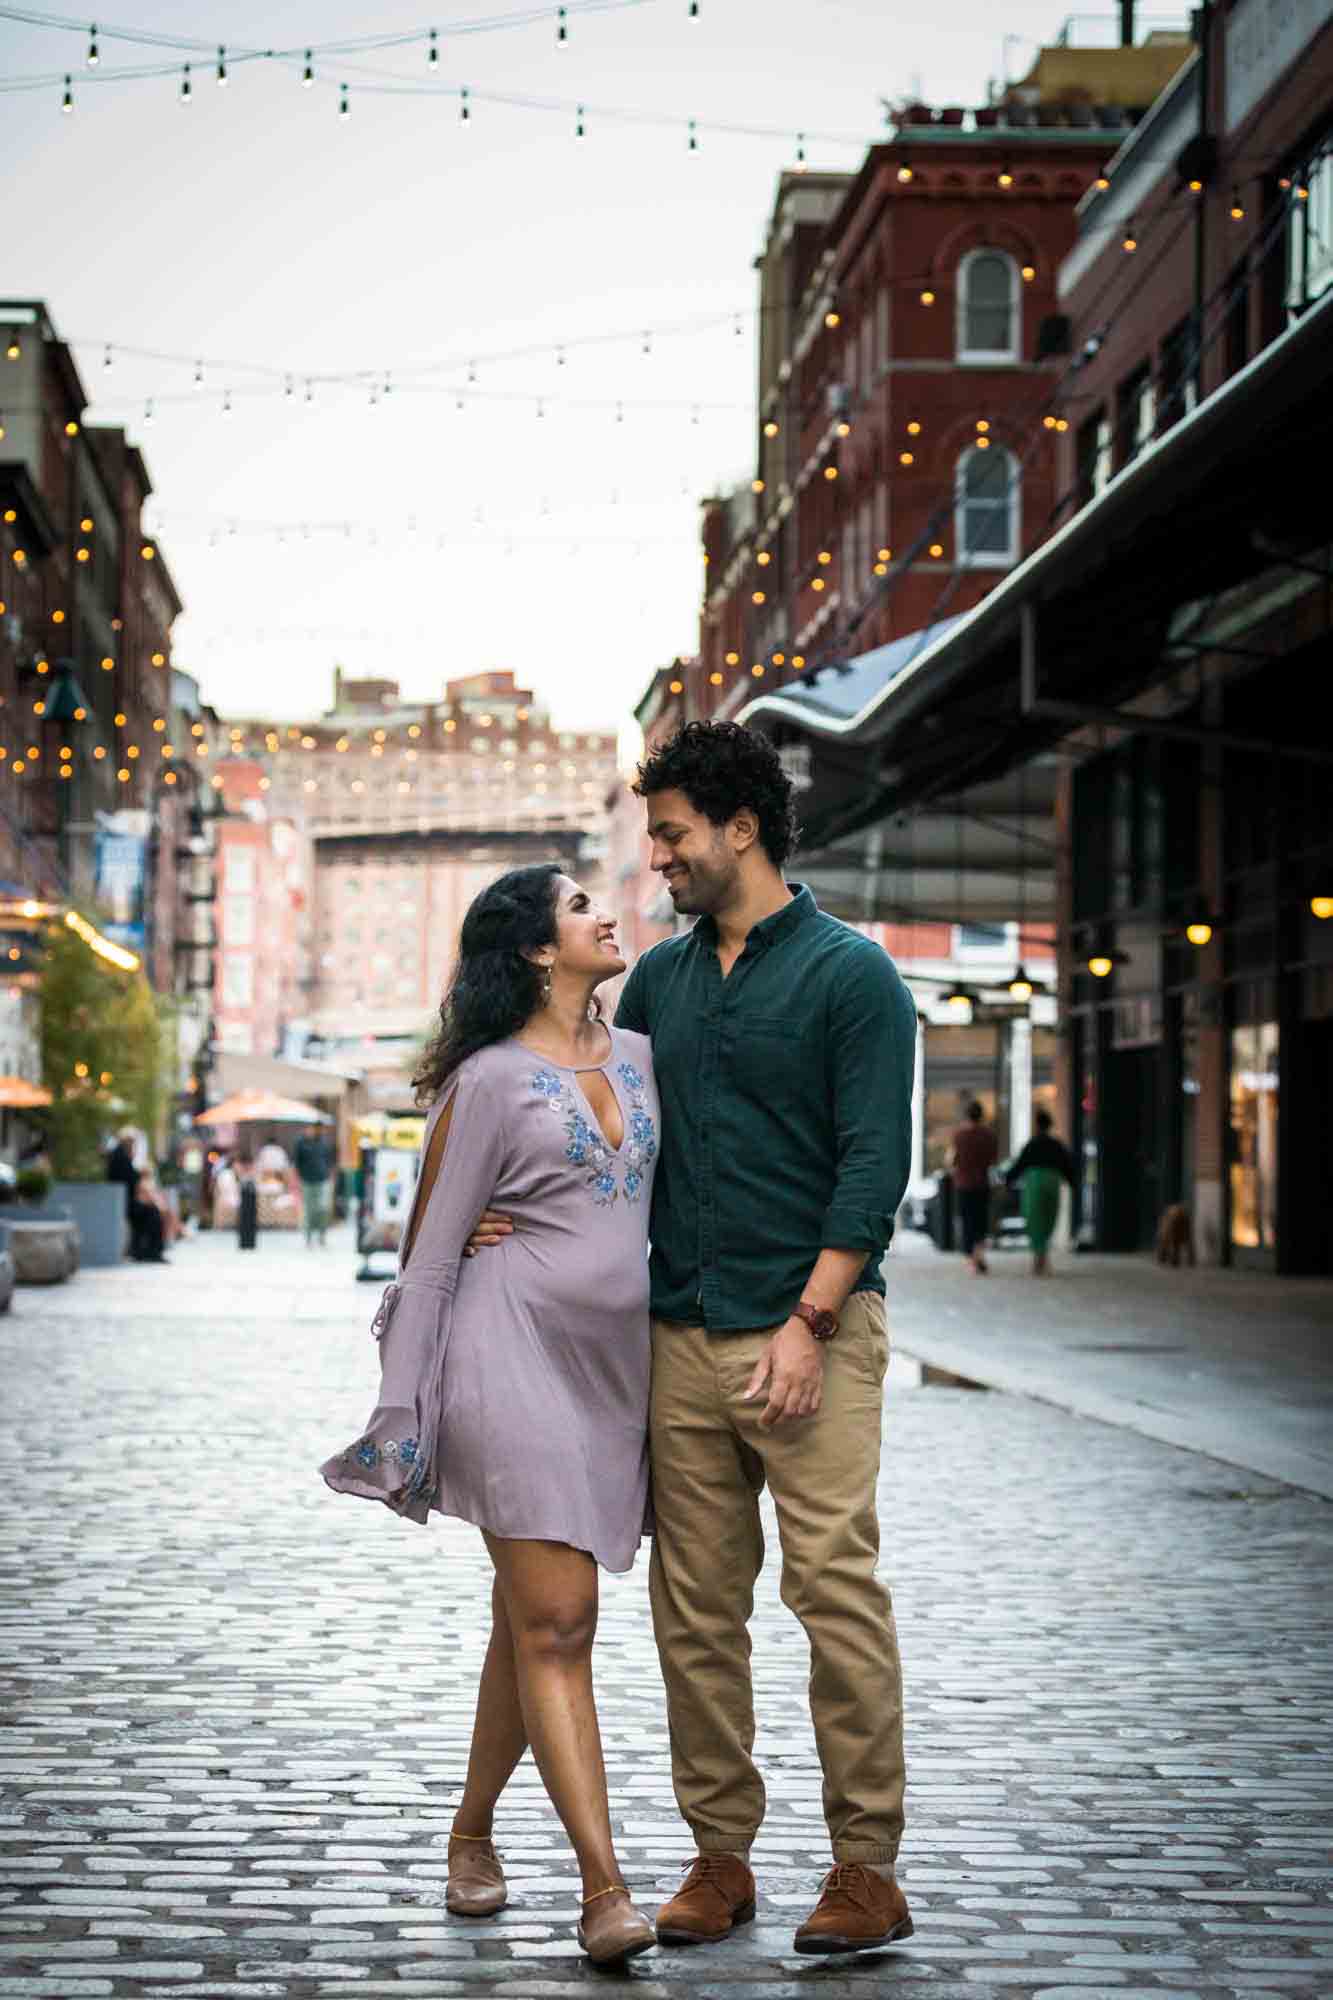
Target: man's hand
(793,1368)
(492,1228)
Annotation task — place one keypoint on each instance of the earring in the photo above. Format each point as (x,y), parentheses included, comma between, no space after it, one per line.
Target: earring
(546,986)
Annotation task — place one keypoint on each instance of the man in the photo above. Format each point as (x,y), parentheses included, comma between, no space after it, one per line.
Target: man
(147,1233)
(314,1164)
(975,1151)
(783,1047)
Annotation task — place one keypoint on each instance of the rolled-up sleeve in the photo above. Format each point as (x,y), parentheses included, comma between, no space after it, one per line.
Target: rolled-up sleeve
(872,1044)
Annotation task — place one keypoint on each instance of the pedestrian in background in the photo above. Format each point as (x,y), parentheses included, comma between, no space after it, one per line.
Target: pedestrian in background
(314,1164)
(1043,1163)
(514,1387)
(247,1205)
(975,1151)
(147,1234)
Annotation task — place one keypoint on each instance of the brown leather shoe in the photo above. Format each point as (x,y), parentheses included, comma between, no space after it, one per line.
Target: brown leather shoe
(611,1928)
(716,1895)
(476,1879)
(857,1911)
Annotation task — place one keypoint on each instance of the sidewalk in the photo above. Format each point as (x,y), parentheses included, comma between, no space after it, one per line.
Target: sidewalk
(1229,1363)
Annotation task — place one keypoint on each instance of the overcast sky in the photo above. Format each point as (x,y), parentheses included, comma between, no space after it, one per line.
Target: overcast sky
(254,225)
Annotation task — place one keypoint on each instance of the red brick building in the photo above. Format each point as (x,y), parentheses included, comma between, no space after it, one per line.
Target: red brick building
(904,455)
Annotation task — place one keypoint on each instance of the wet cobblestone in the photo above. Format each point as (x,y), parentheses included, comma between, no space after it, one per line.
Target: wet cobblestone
(236,1709)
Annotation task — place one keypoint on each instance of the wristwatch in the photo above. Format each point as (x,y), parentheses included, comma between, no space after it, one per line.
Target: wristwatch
(823,1325)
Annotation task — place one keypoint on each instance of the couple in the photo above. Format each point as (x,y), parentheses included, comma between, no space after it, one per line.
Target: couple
(753,1095)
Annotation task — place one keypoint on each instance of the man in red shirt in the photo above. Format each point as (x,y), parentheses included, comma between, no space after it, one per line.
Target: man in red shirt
(975,1151)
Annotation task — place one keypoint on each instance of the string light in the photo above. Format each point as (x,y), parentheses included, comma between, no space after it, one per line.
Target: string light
(905,172)
(187,90)
(1103,181)
(92,58)
(433,53)
(1131,241)
(1005,177)
(1237,206)
(67,101)
(464,108)
(222,68)
(561,28)
(344,108)
(308,73)
(927,297)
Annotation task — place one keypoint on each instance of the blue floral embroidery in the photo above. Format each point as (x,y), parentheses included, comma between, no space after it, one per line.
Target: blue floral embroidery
(585,1146)
(393,1451)
(640,1148)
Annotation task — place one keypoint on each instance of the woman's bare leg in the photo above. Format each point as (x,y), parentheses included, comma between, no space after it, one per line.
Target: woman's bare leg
(550,1593)
(498,1736)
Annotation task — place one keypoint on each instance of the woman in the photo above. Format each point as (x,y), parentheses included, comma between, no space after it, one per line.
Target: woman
(514,1389)
(1042,1164)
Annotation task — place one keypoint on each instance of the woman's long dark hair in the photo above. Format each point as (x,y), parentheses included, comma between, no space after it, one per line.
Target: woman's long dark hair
(495,988)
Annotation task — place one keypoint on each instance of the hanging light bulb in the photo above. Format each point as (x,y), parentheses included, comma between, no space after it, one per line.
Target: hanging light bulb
(148,411)
(1005,177)
(905,172)
(1321,907)
(222,68)
(800,152)
(92,58)
(1237,206)
(1131,242)
(561,28)
(308,73)
(1020,986)
(344,108)
(692,12)
(694,137)
(1199,931)
(433,52)
(187,91)
(578,122)
(1103,181)
(927,297)
(67,101)
(464,109)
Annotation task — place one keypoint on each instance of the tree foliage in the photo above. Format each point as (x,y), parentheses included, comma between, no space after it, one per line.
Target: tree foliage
(97,1023)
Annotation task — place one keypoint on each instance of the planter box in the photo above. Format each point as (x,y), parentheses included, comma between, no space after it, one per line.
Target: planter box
(98,1211)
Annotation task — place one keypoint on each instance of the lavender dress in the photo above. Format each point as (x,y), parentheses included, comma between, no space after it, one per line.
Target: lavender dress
(514,1384)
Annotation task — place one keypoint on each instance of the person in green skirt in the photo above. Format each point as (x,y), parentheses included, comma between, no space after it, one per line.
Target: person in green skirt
(1043,1163)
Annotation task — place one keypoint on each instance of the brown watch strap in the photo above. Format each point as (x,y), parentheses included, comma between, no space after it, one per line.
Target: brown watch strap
(822,1323)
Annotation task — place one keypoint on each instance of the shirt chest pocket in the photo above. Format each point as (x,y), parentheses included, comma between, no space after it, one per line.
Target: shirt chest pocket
(768,1059)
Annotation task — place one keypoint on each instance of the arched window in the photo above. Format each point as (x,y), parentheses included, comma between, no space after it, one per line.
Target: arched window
(990,318)
(987,509)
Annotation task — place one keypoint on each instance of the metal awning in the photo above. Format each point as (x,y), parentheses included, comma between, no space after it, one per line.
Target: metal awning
(1098,613)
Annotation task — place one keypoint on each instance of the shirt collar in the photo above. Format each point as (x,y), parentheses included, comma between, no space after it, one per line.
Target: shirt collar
(769,930)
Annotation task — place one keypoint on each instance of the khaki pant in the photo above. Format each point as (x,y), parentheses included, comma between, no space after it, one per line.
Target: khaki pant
(710,1463)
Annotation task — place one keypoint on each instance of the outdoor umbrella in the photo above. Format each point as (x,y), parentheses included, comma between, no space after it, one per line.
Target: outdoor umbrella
(262,1107)
(17,1094)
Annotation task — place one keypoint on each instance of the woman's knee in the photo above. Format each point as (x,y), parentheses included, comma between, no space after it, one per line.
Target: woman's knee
(558,1629)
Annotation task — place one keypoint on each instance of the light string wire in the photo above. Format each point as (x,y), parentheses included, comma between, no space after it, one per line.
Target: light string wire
(429,37)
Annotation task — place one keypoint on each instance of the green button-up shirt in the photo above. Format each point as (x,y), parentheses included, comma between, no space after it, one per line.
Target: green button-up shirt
(786,1093)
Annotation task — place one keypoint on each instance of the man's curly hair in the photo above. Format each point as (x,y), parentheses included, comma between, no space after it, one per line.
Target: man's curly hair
(720,767)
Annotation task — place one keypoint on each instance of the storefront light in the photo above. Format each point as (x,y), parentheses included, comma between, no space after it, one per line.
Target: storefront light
(1199,932)
(1321,907)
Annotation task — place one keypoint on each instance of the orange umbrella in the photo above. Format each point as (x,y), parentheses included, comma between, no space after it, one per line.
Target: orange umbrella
(262,1107)
(17,1094)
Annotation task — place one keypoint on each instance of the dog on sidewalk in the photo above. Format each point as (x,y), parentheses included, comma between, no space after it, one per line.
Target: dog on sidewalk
(1175,1238)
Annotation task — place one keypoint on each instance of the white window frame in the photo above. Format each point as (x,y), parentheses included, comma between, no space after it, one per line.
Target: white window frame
(988,558)
(1012,351)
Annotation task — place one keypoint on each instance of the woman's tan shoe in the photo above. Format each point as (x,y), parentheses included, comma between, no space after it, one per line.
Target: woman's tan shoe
(476,1879)
(611,1928)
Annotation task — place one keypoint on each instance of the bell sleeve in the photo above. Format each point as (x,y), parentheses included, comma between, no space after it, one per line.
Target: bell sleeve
(394,1459)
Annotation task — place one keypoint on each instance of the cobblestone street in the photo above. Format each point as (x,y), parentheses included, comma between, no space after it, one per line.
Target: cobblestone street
(237,1708)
